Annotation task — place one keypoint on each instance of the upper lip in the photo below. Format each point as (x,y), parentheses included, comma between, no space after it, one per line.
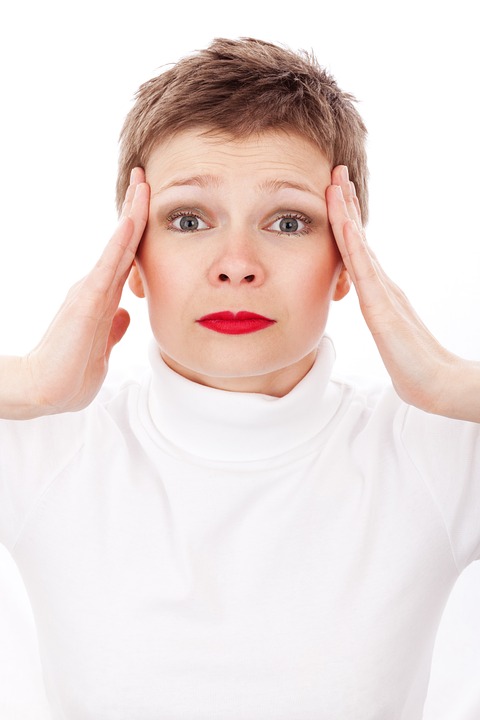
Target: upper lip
(229,315)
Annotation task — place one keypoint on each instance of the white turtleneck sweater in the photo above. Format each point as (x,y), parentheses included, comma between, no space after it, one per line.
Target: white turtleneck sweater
(195,554)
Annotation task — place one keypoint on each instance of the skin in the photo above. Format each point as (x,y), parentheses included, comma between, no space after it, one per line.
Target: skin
(238,259)
(422,371)
(66,370)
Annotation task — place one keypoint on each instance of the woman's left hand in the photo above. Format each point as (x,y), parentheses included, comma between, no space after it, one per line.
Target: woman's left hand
(423,372)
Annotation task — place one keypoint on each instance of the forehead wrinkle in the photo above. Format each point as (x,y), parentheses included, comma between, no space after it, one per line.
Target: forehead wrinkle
(202,181)
(208,180)
(272,186)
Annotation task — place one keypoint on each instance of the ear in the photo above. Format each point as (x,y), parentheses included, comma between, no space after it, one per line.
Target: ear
(135,282)
(343,284)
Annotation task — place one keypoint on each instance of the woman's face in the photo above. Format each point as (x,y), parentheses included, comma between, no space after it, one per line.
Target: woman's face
(239,227)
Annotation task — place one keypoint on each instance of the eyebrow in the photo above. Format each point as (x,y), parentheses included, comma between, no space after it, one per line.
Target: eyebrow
(269,186)
(275,185)
(202,181)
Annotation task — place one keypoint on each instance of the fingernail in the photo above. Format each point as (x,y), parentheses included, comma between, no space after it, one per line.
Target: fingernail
(338,192)
(344,174)
(132,175)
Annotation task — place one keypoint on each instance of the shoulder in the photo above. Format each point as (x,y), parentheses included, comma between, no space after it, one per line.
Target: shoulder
(35,453)
(370,405)
(379,412)
(51,440)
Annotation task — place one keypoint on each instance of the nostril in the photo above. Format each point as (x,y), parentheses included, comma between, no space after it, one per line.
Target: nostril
(223,277)
(249,278)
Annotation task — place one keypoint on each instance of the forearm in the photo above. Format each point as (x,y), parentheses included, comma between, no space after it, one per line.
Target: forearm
(461,393)
(17,396)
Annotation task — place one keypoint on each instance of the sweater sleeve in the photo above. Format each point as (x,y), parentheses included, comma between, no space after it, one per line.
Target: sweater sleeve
(446,453)
(32,454)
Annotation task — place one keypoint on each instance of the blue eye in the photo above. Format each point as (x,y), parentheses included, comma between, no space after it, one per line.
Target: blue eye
(186,222)
(290,225)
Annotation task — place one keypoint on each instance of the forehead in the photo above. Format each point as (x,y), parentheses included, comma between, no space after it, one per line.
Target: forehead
(271,157)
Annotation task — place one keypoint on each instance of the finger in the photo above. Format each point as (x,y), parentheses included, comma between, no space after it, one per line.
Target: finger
(360,261)
(129,194)
(356,202)
(140,207)
(340,177)
(372,291)
(357,258)
(117,258)
(137,176)
(127,203)
(338,216)
(97,296)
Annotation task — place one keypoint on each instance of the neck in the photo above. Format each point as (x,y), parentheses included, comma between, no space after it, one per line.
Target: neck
(277,383)
(212,424)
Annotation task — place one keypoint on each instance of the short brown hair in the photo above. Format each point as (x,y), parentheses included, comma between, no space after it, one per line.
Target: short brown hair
(244,87)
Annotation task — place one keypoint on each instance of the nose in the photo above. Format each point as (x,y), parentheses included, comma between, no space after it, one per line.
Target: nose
(225,278)
(237,263)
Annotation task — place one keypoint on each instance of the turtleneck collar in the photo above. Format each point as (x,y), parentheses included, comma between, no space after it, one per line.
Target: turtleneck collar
(232,426)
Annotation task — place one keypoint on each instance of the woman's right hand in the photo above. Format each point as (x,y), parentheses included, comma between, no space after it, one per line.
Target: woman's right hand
(66,370)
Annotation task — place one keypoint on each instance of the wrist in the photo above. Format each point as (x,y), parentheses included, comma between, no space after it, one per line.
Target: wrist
(18,396)
(459,396)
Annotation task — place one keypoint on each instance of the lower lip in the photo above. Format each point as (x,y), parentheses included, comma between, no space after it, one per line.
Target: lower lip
(236,327)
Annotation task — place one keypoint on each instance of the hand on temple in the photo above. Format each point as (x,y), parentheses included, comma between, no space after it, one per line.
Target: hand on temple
(66,370)
(423,372)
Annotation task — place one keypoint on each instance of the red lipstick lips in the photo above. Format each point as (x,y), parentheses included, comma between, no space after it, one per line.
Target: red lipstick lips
(231,323)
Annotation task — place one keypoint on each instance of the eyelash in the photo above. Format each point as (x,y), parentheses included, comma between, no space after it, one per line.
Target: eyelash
(181,213)
(294,216)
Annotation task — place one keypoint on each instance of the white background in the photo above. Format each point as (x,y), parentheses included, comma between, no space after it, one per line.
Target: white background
(68,76)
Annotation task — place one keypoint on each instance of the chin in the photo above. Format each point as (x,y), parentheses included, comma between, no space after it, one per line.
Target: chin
(233,364)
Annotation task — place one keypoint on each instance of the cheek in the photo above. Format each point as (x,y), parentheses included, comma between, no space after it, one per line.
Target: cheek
(313,298)
(316,276)
(163,272)
(165,290)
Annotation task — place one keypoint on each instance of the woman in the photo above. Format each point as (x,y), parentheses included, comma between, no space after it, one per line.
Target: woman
(235,534)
